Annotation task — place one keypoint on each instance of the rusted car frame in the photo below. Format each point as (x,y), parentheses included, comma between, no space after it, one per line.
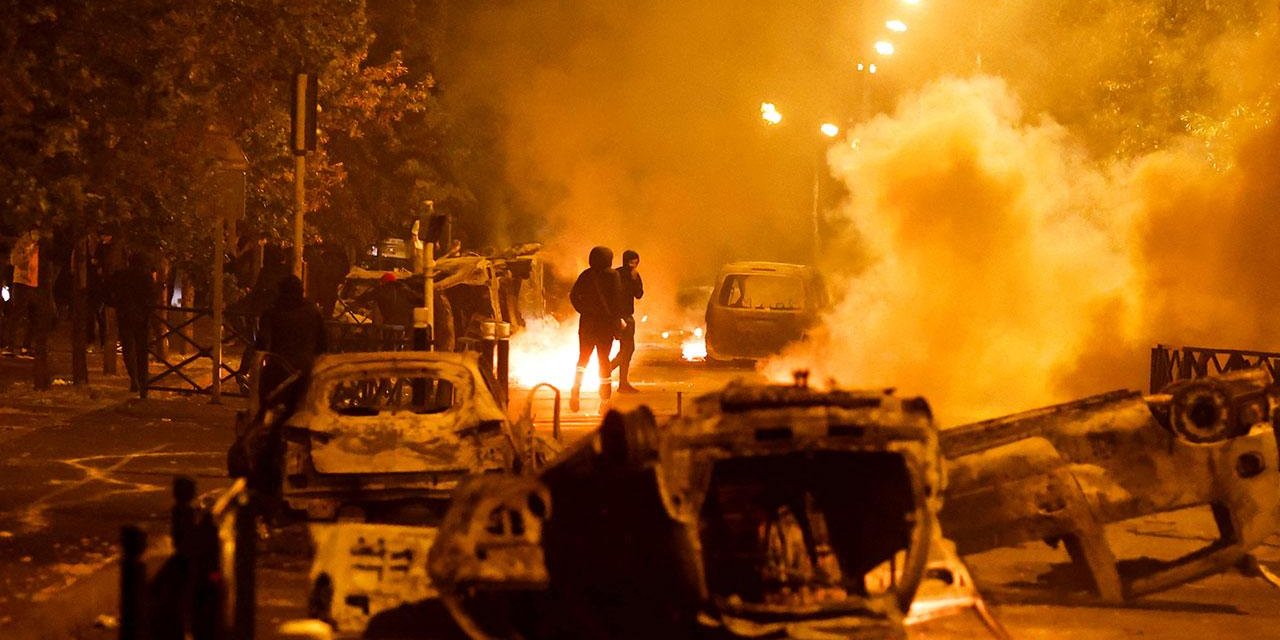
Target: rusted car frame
(763,512)
(1064,472)
(335,456)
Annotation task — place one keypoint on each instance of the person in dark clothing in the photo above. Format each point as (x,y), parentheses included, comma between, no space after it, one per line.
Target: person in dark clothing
(290,334)
(133,293)
(327,266)
(597,297)
(394,301)
(632,290)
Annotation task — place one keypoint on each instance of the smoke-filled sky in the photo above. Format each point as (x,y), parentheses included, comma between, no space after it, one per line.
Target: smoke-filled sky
(1030,194)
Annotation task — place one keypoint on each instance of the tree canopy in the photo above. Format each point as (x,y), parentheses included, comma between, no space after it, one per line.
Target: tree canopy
(113,114)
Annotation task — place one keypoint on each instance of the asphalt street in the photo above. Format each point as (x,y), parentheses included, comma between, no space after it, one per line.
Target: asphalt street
(79,463)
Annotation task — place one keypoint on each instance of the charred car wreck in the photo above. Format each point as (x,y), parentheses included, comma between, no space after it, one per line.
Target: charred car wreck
(768,511)
(370,456)
(1062,473)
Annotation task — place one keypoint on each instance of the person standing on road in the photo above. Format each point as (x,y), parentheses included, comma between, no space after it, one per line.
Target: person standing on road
(632,290)
(24,296)
(290,334)
(133,292)
(597,297)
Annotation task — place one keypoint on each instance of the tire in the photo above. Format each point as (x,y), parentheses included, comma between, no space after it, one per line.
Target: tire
(1201,412)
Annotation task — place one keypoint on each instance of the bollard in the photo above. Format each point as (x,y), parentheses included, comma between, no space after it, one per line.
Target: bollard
(421,342)
(133,582)
(502,334)
(245,577)
(679,403)
(182,517)
(206,620)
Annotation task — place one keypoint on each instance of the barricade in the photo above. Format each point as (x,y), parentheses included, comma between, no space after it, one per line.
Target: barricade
(1170,364)
(183,347)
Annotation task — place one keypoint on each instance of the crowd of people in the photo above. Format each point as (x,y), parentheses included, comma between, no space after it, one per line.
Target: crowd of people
(603,295)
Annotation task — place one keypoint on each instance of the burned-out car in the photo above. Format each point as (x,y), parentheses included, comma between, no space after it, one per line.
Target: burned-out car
(768,511)
(1062,474)
(758,308)
(371,453)
(378,430)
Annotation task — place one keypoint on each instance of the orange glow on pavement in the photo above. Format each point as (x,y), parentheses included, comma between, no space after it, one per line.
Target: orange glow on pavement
(546,351)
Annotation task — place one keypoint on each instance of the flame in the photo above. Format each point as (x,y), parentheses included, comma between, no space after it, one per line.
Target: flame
(546,351)
(694,347)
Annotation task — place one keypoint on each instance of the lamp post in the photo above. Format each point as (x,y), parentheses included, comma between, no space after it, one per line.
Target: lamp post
(770,114)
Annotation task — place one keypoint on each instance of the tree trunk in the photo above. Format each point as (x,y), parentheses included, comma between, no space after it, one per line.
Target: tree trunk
(79,312)
(110,337)
(44,309)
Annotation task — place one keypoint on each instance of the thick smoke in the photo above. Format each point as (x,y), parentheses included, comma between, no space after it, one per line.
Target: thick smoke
(636,125)
(1001,269)
(1054,186)
(987,255)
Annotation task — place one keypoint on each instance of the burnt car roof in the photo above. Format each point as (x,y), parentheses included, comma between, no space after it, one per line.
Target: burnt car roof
(780,268)
(337,364)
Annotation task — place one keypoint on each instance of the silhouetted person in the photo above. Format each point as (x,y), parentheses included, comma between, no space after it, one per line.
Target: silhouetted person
(327,267)
(632,290)
(596,296)
(290,334)
(393,299)
(133,292)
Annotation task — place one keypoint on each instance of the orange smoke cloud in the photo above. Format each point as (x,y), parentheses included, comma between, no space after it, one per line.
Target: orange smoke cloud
(998,268)
(987,261)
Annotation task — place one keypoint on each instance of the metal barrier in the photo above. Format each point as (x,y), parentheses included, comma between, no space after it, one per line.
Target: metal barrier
(192,369)
(206,590)
(1170,364)
(188,369)
(350,337)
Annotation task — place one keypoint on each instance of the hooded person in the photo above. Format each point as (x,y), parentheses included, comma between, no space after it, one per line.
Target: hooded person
(632,290)
(597,297)
(133,292)
(292,334)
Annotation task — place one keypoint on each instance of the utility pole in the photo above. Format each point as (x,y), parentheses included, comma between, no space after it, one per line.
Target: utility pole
(424,316)
(305,87)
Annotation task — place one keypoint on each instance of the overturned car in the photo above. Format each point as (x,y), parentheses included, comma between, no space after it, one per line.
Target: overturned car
(1063,473)
(768,511)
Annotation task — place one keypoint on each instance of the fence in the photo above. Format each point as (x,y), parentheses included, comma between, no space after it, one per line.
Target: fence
(1170,364)
(182,345)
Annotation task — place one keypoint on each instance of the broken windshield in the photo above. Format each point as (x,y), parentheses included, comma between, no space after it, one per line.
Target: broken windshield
(769,292)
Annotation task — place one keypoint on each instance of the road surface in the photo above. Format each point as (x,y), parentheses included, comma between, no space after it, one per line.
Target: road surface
(77,466)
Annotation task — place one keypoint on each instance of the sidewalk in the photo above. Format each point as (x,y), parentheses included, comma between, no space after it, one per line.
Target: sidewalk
(78,463)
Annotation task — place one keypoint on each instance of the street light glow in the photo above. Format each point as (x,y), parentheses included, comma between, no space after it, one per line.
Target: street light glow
(829,130)
(911,2)
(896,26)
(770,113)
(884,48)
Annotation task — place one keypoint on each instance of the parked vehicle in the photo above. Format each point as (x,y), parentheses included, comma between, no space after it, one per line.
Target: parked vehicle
(757,308)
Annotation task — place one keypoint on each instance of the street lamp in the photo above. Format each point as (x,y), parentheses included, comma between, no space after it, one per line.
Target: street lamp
(769,113)
(884,47)
(896,26)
